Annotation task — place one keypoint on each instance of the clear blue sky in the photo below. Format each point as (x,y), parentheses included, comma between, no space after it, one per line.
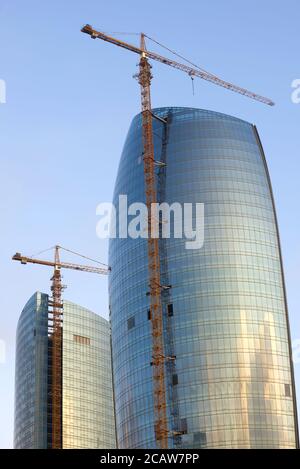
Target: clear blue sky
(69,104)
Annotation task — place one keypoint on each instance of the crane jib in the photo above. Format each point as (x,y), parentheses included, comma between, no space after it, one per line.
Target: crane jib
(179,66)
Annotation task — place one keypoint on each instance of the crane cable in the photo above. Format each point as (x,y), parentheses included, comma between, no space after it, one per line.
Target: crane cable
(81,255)
(121,32)
(164,47)
(181,56)
(42,252)
(68,250)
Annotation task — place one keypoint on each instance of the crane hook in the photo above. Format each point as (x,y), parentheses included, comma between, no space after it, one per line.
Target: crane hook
(193,89)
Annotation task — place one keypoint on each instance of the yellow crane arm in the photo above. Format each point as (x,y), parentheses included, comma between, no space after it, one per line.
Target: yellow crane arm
(179,66)
(61,265)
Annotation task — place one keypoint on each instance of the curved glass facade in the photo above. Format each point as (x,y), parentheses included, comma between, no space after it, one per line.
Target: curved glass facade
(225,315)
(88,413)
(87,399)
(31,380)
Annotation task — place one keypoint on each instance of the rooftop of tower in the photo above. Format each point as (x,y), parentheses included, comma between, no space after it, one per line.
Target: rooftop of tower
(186,112)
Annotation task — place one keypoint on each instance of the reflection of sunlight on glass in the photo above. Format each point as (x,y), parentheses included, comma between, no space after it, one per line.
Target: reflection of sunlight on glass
(2,92)
(2,351)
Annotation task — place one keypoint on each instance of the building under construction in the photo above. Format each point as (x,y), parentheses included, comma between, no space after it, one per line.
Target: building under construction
(200,338)
(228,374)
(86,406)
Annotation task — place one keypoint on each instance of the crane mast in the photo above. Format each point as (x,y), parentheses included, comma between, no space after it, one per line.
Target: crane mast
(156,314)
(55,330)
(56,348)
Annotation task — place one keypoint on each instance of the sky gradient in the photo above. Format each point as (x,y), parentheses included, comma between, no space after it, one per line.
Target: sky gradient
(69,103)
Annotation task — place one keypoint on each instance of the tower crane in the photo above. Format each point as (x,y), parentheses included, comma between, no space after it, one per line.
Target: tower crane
(55,322)
(144,76)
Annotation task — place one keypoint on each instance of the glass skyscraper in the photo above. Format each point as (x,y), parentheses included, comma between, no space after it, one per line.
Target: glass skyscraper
(225,315)
(87,396)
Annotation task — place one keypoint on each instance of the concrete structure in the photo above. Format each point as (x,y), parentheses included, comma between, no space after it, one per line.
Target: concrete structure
(87,397)
(225,315)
